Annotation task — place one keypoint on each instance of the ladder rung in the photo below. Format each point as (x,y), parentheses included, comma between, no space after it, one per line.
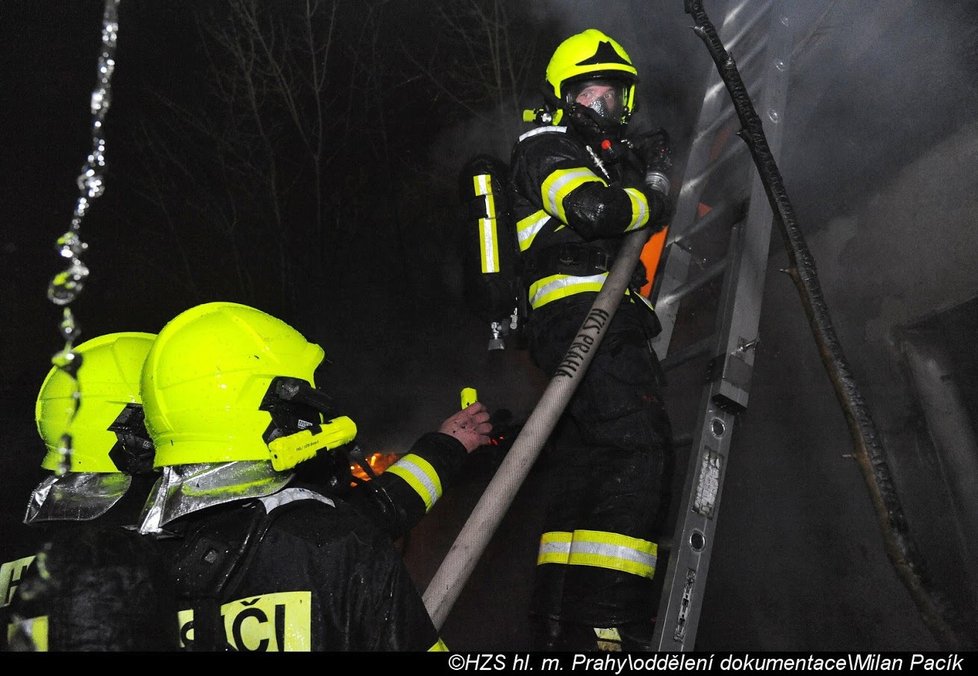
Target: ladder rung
(721,212)
(732,150)
(682,290)
(748,24)
(680,357)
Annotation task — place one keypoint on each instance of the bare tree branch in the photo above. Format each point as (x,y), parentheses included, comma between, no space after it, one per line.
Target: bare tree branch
(869,452)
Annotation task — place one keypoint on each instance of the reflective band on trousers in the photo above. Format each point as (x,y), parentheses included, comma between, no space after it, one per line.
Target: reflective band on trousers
(561,183)
(599,549)
(488,248)
(527,228)
(551,288)
(420,476)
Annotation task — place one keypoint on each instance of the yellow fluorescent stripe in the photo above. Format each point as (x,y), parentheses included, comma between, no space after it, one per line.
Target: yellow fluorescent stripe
(482,184)
(554,547)
(10,575)
(640,209)
(488,236)
(551,288)
(439,647)
(613,551)
(420,476)
(562,182)
(488,251)
(527,228)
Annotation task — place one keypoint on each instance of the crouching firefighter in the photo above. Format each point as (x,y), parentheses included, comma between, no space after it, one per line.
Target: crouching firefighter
(580,186)
(269,548)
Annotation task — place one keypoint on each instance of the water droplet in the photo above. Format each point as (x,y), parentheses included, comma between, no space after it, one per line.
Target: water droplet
(64,455)
(69,332)
(67,284)
(101,100)
(70,245)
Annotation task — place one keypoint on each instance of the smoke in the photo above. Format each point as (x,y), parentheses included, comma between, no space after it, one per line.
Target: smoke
(873,88)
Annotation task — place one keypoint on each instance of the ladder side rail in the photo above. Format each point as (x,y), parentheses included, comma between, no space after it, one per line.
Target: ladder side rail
(727,392)
(716,104)
(734,359)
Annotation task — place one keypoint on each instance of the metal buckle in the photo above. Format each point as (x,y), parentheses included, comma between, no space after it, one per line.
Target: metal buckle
(600,260)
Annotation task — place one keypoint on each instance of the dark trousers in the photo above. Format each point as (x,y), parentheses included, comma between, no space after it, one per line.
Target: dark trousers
(609,468)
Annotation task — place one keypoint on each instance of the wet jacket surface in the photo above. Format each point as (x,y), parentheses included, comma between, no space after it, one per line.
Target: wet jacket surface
(399,497)
(565,194)
(104,587)
(309,570)
(311,574)
(299,570)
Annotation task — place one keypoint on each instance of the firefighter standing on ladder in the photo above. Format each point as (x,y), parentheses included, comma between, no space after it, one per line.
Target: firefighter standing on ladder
(580,186)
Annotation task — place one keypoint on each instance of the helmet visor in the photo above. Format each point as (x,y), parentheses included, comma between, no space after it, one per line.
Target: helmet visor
(605,96)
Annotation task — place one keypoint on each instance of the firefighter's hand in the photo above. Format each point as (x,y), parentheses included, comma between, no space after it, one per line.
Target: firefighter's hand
(470,426)
(656,153)
(655,149)
(660,209)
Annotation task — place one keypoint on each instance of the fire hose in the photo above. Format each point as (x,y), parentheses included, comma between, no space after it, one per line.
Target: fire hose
(455,569)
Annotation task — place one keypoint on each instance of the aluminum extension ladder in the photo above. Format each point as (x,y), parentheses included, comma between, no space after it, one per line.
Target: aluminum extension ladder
(711,282)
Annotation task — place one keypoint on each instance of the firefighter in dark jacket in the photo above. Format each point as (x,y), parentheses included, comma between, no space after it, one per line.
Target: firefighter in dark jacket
(580,185)
(264,560)
(80,514)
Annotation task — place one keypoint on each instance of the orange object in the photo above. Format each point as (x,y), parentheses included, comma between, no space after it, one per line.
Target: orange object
(651,253)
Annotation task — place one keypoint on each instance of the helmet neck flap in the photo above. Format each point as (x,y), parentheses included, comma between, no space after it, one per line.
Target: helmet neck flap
(184,489)
(76,496)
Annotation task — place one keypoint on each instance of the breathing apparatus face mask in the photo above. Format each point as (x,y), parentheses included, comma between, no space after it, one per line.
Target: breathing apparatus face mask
(604,96)
(599,103)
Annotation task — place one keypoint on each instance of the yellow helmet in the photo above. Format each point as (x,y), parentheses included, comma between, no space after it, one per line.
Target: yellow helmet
(208,385)
(590,57)
(107,433)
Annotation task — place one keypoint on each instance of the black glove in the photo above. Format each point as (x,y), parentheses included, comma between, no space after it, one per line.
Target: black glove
(656,154)
(660,207)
